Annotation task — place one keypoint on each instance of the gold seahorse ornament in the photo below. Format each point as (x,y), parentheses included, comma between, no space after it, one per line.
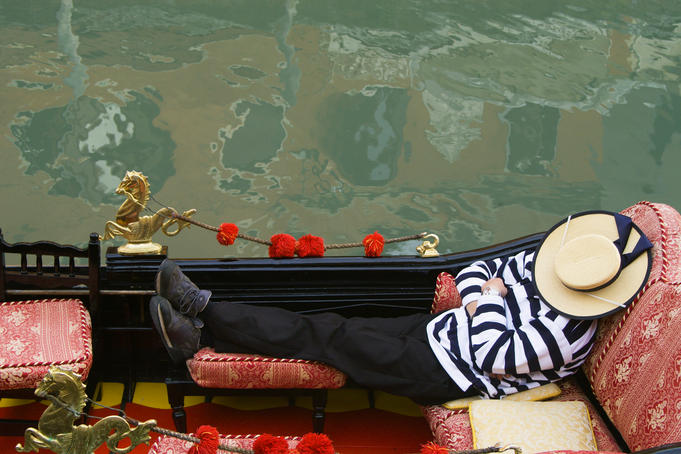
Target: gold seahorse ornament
(137,229)
(56,431)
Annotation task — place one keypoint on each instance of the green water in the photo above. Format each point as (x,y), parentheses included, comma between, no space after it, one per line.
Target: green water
(478,121)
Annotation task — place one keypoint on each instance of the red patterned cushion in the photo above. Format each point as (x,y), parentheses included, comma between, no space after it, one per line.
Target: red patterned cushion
(446,295)
(171,445)
(245,371)
(635,368)
(40,334)
(452,428)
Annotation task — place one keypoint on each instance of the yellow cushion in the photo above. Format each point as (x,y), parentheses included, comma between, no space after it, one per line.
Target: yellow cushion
(539,393)
(533,426)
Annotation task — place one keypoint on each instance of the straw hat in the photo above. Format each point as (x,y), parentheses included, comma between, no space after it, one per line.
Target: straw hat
(592,264)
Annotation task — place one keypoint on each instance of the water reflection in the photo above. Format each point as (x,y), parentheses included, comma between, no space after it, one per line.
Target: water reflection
(362,133)
(85,146)
(480,121)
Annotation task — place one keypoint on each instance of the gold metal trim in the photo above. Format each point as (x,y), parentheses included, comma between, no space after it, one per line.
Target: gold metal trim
(66,393)
(137,229)
(427,248)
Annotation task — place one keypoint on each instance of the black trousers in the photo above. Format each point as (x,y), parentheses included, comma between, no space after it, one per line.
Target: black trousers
(387,354)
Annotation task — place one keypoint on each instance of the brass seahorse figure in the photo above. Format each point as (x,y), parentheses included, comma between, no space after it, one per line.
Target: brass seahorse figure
(56,432)
(137,229)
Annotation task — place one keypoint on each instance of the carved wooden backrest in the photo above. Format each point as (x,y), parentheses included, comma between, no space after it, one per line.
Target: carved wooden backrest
(62,276)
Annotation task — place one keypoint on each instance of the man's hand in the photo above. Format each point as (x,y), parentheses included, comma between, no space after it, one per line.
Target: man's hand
(495,284)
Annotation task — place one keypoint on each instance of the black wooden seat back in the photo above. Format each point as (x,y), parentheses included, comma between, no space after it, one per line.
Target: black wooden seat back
(48,269)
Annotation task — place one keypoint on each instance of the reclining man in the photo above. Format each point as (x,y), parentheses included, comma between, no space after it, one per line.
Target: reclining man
(525,320)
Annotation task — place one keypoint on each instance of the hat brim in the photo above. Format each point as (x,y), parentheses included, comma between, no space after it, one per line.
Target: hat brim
(592,304)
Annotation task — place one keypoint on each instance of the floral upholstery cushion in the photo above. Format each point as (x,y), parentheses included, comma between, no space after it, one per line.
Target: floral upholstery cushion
(452,428)
(446,294)
(245,371)
(635,367)
(38,334)
(171,445)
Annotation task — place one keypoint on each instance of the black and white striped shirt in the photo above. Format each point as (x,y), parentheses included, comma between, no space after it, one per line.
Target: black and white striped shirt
(518,337)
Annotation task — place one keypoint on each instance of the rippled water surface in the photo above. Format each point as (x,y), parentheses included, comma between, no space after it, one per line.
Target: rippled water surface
(479,121)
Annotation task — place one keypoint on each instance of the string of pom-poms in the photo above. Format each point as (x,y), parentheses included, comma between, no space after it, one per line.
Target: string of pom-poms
(283,245)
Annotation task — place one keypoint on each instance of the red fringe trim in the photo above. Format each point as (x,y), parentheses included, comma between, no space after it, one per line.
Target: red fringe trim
(209,441)
(269,444)
(227,234)
(432,448)
(310,246)
(373,244)
(283,246)
(313,443)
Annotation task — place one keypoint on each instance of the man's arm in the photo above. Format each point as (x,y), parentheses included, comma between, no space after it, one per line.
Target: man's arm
(538,345)
(499,347)
(496,285)
(469,283)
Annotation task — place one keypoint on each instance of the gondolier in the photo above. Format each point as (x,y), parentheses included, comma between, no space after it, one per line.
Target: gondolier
(526,320)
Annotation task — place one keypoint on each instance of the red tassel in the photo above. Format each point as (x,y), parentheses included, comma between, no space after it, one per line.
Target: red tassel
(269,444)
(209,441)
(373,244)
(283,246)
(310,246)
(432,448)
(313,443)
(227,234)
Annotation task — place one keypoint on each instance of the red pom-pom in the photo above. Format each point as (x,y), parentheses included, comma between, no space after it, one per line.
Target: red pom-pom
(269,444)
(310,246)
(373,244)
(283,246)
(227,234)
(209,441)
(312,443)
(432,448)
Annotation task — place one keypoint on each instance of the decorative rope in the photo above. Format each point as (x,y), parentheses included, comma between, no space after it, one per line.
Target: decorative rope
(436,449)
(495,448)
(133,421)
(269,243)
(185,437)
(388,241)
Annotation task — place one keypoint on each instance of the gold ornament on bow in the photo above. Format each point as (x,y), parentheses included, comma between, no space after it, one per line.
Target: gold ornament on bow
(56,432)
(427,248)
(137,229)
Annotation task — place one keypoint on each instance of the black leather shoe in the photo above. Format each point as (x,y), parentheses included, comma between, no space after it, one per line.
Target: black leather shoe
(182,293)
(180,335)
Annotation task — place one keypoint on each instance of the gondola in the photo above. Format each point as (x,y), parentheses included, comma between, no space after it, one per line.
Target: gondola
(379,286)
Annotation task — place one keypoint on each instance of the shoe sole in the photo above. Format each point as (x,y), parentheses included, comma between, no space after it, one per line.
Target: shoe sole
(159,323)
(162,270)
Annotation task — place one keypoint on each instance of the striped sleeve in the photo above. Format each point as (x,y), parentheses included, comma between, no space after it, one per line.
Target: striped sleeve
(469,281)
(539,345)
(502,343)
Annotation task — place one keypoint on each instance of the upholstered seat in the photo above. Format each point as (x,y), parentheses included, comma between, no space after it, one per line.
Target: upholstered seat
(244,371)
(235,373)
(38,334)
